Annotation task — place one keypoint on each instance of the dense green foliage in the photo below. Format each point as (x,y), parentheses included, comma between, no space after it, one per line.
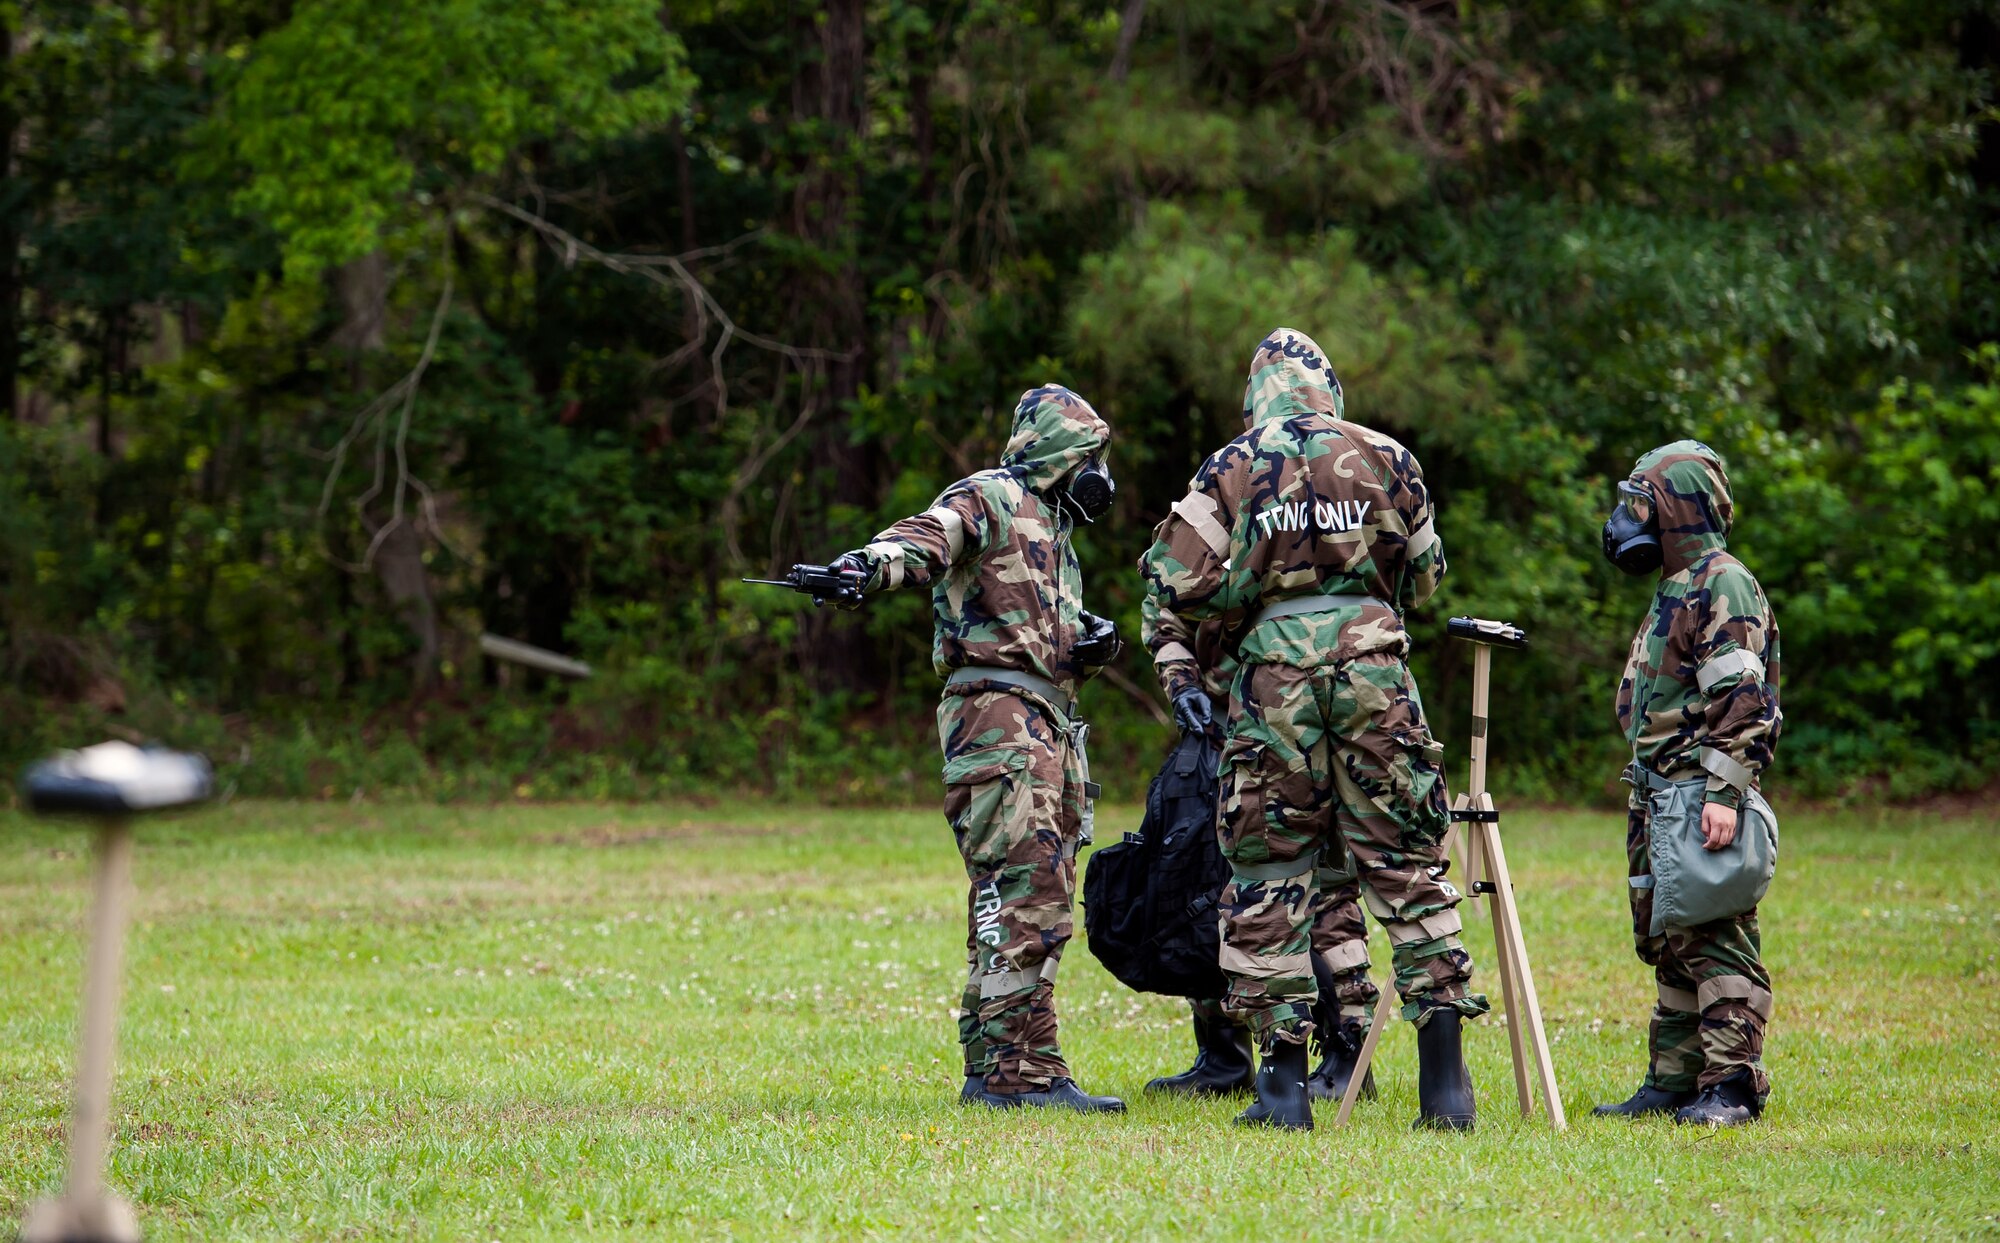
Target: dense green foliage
(339,333)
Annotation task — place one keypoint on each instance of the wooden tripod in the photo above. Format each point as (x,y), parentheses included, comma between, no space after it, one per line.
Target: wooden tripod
(1487,876)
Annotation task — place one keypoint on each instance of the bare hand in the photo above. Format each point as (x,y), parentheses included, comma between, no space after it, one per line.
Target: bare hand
(1718,826)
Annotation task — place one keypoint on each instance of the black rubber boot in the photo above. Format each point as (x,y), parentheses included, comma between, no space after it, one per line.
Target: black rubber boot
(974,1085)
(1340,1049)
(1282,1098)
(1222,1065)
(1730,1103)
(1444,1086)
(1061,1094)
(1648,1100)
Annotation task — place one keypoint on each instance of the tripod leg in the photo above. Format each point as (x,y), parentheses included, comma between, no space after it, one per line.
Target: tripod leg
(1383,1008)
(1483,835)
(1507,916)
(1458,846)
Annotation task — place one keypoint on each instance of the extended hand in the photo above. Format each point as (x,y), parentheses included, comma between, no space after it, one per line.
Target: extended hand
(1193,712)
(1098,643)
(1718,826)
(853,563)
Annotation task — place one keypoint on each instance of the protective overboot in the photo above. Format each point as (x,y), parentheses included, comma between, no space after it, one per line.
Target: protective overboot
(1646,1101)
(1444,1085)
(1340,1049)
(1222,1065)
(974,1085)
(1282,1098)
(1730,1103)
(1060,1094)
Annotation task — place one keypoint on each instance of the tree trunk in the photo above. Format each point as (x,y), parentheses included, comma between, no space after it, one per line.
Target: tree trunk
(1129,22)
(399,563)
(1978,313)
(362,288)
(828,98)
(10,238)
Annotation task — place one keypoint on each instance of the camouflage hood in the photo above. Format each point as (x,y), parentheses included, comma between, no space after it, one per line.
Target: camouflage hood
(1290,375)
(1055,431)
(1691,491)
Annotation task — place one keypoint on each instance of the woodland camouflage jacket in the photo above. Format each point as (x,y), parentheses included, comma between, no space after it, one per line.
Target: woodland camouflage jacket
(995,549)
(1303,502)
(1700,690)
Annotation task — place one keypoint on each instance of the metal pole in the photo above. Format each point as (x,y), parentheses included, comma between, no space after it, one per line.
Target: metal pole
(102,974)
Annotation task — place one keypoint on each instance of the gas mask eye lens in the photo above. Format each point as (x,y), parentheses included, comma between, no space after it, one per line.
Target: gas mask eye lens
(1637,501)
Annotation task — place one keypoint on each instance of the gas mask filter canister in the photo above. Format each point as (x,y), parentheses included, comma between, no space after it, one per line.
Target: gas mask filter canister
(1090,491)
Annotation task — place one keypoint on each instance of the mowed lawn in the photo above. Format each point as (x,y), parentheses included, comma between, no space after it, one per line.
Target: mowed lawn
(679,1021)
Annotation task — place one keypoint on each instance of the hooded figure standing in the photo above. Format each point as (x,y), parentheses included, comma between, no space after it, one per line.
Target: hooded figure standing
(1308,536)
(1013,644)
(1699,699)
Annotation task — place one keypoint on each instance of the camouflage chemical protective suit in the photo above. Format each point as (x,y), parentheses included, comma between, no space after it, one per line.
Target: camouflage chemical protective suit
(1700,694)
(1326,732)
(995,551)
(1339,935)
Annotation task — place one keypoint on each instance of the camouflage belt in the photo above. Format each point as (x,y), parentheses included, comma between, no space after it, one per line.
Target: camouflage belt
(1299,605)
(1034,684)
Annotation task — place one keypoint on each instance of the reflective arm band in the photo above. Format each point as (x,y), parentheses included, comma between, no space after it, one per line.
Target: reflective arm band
(1722,988)
(1735,660)
(954,530)
(1725,767)
(1006,983)
(1680,999)
(1201,512)
(1425,539)
(1171,652)
(890,554)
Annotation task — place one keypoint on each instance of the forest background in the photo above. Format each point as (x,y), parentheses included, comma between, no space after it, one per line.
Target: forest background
(335,334)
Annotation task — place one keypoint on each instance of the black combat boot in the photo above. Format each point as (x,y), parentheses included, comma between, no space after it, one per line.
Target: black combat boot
(1340,1049)
(1222,1065)
(1733,1102)
(1282,1098)
(1646,1101)
(974,1085)
(1444,1086)
(1060,1094)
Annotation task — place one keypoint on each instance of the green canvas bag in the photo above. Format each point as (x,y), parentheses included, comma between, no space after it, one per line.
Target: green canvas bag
(1693,885)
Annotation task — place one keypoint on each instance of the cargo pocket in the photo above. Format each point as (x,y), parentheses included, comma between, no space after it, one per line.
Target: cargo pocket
(985,793)
(1419,791)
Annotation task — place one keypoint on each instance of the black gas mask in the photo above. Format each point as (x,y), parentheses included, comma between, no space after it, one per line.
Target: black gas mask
(1087,497)
(1632,532)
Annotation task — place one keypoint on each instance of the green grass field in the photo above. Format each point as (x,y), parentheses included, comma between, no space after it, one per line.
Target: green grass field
(661,1021)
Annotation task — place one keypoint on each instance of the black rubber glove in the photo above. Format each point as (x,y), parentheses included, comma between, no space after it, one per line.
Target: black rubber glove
(1098,643)
(856,562)
(1193,712)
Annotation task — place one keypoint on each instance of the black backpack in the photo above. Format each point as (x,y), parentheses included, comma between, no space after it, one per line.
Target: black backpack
(1149,901)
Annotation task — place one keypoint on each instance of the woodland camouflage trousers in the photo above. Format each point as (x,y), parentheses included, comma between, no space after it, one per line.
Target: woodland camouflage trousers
(1339,940)
(1014,797)
(1311,753)
(1714,993)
